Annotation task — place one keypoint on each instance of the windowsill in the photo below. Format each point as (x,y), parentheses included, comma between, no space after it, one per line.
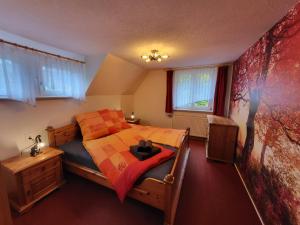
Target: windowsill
(52,97)
(190,110)
(38,98)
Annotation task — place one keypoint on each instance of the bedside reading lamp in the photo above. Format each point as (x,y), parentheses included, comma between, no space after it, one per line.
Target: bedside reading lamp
(132,117)
(38,144)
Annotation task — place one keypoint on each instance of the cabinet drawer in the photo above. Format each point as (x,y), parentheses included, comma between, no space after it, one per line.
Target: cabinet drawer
(41,169)
(40,185)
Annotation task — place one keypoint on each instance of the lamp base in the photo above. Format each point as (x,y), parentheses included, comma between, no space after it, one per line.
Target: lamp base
(34,151)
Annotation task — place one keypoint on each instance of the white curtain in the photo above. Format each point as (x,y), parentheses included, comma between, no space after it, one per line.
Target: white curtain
(26,75)
(194,89)
(62,78)
(17,74)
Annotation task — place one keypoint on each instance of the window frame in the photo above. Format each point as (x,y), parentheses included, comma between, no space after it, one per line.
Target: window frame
(40,86)
(209,108)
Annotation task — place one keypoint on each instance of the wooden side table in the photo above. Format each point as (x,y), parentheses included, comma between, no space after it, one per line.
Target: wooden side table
(134,121)
(29,179)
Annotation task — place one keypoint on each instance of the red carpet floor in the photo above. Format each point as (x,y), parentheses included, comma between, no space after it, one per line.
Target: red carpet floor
(212,194)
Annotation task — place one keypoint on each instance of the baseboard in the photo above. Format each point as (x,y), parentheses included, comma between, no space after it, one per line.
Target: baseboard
(257,212)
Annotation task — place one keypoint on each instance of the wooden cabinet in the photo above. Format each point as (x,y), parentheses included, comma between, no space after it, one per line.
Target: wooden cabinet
(5,217)
(222,135)
(29,179)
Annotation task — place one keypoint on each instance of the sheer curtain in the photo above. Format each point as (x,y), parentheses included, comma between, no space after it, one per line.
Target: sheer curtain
(194,89)
(26,75)
(17,74)
(62,78)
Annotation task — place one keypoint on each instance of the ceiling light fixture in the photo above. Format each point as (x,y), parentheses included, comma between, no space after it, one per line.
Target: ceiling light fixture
(154,56)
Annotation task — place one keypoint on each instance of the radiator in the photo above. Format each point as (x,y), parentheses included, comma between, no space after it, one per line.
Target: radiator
(197,121)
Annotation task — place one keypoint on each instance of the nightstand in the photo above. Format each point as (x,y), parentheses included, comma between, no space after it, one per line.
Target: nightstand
(29,179)
(134,121)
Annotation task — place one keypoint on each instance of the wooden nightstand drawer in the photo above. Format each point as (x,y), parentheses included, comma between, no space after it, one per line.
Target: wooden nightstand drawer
(40,169)
(40,185)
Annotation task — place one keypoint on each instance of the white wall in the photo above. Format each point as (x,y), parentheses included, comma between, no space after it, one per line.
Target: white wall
(93,65)
(116,76)
(19,120)
(127,104)
(149,100)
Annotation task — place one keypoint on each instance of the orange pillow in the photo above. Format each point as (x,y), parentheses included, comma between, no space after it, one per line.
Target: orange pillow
(92,125)
(101,123)
(121,121)
(114,120)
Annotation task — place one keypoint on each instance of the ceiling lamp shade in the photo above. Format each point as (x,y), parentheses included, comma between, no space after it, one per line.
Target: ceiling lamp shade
(154,56)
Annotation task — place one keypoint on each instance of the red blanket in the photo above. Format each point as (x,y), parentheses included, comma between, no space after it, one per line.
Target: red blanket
(129,176)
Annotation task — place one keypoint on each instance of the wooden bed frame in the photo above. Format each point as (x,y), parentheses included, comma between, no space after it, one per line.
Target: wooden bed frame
(163,195)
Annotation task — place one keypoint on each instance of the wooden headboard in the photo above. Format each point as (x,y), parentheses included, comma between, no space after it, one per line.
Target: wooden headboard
(62,135)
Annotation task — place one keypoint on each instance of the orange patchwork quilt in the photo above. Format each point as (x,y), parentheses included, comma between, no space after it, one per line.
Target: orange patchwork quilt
(112,156)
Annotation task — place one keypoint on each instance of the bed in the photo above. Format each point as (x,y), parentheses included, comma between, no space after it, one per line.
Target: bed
(159,187)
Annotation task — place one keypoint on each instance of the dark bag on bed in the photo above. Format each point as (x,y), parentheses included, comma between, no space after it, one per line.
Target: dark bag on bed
(144,150)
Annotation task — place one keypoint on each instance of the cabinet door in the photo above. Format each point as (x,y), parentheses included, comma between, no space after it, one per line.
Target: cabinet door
(221,142)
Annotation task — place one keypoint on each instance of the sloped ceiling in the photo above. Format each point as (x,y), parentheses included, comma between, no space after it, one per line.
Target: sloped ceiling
(193,32)
(116,76)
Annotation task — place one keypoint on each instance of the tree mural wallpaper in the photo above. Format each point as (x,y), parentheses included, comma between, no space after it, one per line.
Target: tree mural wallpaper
(265,102)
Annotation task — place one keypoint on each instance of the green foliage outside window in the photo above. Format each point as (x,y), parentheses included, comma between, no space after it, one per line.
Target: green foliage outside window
(201,103)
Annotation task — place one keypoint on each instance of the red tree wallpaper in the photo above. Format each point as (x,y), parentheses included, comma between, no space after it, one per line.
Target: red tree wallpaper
(265,102)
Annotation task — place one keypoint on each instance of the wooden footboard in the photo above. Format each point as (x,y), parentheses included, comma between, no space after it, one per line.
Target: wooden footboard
(150,191)
(163,195)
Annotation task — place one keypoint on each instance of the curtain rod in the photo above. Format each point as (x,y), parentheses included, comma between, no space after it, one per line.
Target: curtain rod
(202,66)
(40,51)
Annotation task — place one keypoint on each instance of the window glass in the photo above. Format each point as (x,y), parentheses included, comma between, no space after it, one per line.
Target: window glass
(194,89)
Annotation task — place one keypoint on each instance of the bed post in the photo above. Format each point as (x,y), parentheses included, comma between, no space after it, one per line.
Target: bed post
(173,180)
(169,214)
(51,137)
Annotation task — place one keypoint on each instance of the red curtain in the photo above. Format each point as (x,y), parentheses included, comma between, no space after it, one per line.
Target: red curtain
(220,91)
(169,97)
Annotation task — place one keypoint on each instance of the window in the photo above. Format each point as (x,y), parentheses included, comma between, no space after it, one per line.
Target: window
(26,75)
(62,81)
(194,89)
(3,89)
(9,78)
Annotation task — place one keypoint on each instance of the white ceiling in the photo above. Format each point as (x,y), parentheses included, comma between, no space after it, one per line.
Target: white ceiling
(192,32)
